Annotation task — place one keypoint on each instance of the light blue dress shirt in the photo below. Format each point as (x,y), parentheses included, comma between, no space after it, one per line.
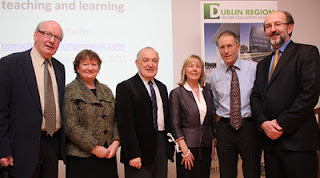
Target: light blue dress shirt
(220,80)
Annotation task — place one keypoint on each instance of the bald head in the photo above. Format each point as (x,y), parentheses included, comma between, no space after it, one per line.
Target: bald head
(47,38)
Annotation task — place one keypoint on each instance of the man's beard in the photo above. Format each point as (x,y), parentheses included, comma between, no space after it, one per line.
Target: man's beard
(276,41)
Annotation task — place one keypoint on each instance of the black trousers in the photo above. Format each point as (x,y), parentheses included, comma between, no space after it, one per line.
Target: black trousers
(282,163)
(158,168)
(245,141)
(47,166)
(201,168)
(91,167)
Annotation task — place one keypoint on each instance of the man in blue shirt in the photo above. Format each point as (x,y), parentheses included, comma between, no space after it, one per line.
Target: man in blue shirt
(285,92)
(242,136)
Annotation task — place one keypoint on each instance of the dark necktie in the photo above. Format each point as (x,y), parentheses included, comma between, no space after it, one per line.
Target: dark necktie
(49,103)
(235,102)
(275,62)
(154,106)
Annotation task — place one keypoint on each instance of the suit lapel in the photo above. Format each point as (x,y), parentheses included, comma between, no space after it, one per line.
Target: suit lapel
(206,97)
(27,70)
(162,91)
(141,87)
(265,72)
(59,72)
(283,60)
(193,103)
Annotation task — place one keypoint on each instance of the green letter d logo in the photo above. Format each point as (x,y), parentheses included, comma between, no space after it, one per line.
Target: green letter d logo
(211,11)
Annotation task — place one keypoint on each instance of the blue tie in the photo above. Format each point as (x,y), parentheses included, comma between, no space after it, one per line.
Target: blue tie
(154,106)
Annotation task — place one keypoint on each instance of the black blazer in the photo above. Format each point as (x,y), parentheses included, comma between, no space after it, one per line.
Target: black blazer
(134,117)
(185,117)
(20,111)
(291,96)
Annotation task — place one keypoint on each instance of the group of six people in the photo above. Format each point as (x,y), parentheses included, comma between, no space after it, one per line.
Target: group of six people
(248,107)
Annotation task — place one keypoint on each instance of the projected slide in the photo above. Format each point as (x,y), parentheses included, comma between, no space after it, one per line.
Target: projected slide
(115,29)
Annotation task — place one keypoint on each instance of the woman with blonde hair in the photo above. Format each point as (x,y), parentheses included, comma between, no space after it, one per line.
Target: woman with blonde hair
(192,115)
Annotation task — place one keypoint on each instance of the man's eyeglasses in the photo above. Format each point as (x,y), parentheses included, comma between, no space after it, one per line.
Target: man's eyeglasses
(276,25)
(50,35)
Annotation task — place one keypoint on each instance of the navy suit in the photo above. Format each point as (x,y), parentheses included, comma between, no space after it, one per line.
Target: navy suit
(290,98)
(21,113)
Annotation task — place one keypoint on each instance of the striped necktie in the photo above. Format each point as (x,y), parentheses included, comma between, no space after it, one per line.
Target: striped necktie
(154,106)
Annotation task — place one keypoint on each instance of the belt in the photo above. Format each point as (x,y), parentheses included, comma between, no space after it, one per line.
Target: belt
(162,132)
(45,133)
(243,119)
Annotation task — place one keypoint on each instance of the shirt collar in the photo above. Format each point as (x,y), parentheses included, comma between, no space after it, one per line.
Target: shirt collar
(187,87)
(237,64)
(283,47)
(38,58)
(145,81)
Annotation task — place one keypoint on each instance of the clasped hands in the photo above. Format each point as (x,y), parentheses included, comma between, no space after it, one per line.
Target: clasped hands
(6,161)
(103,152)
(272,129)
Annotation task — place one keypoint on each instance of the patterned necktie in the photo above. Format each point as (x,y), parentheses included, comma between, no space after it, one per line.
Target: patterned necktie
(235,103)
(49,103)
(275,62)
(154,106)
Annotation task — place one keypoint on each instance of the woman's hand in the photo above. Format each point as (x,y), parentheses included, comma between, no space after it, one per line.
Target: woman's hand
(187,156)
(100,151)
(187,160)
(113,149)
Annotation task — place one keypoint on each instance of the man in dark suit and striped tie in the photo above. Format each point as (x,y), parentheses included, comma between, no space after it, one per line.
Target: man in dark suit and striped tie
(142,115)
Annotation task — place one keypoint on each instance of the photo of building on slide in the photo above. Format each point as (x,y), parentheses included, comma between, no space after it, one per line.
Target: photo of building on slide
(253,41)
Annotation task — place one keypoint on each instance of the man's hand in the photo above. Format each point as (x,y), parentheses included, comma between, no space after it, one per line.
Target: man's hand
(213,153)
(272,129)
(6,161)
(136,162)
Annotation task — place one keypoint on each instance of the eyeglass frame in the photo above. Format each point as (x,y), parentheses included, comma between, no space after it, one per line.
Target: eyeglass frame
(276,25)
(49,35)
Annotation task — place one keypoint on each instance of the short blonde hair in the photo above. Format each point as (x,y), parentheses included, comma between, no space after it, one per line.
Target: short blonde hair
(187,61)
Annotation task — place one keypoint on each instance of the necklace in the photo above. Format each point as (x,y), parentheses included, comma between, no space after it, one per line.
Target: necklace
(195,89)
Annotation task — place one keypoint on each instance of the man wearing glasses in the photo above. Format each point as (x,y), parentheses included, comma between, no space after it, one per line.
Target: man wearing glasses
(31,92)
(285,92)
(237,132)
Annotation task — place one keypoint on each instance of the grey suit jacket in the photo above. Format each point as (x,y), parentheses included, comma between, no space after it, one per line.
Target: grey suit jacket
(185,117)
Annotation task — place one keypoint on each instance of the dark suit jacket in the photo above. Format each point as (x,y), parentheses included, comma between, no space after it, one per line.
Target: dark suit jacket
(185,117)
(290,96)
(134,116)
(20,111)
